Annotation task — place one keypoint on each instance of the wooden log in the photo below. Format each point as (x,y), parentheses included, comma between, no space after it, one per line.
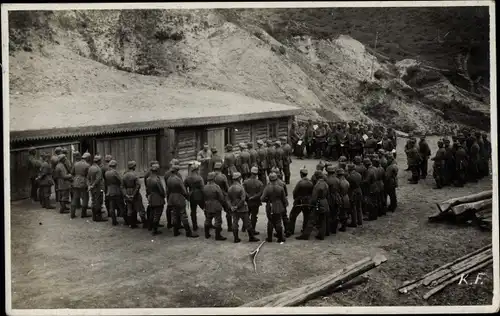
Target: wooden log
(300,295)
(461,209)
(452,270)
(409,285)
(446,205)
(456,278)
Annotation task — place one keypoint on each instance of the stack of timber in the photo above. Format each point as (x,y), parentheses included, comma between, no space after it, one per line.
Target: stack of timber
(303,294)
(473,209)
(451,272)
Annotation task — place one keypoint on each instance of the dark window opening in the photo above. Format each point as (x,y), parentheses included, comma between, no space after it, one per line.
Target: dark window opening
(273,130)
(229,135)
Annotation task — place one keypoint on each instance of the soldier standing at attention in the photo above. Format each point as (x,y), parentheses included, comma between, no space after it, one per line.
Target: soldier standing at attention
(449,168)
(54,160)
(204,156)
(253,154)
(408,146)
(334,202)
(439,165)
(284,215)
(114,183)
(105,168)
(254,188)
(34,165)
(194,184)
(221,181)
(156,196)
(276,202)
(287,160)
(262,161)
(391,182)
(355,196)
(149,212)
(319,167)
(414,162)
(425,152)
(45,182)
(173,162)
(294,137)
(301,201)
(320,135)
(229,162)
(280,156)
(244,161)
(370,144)
(215,159)
(271,156)
(214,201)
(95,183)
(345,203)
(309,138)
(380,175)
(64,179)
(486,154)
(131,191)
(80,190)
(239,209)
(474,165)
(319,200)
(177,199)
(461,165)
(369,181)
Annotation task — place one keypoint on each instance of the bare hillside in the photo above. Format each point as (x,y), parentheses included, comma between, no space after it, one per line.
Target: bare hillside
(63,52)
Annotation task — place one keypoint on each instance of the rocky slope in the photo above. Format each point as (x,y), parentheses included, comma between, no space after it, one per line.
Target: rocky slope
(335,78)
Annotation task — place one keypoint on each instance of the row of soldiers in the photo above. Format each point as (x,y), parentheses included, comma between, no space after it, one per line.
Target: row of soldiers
(331,140)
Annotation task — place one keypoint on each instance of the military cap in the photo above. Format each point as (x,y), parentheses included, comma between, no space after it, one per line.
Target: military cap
(76,154)
(283,138)
(58,150)
(275,170)
(485,135)
(194,165)
(375,158)
(214,149)
(446,140)
(64,150)
(440,143)
(172,162)
(175,167)
(249,145)
(277,143)
(112,163)
(350,166)
(32,149)
(260,142)
(330,169)
(86,155)
(108,158)
(218,165)
(273,176)
(155,167)
(369,133)
(269,141)
(61,156)
(236,175)
(320,165)
(97,158)
(254,170)
(327,163)
(367,161)
(340,172)
(357,159)
(229,146)
(319,175)
(131,164)
(381,150)
(241,145)
(303,170)
(205,144)
(343,158)
(211,176)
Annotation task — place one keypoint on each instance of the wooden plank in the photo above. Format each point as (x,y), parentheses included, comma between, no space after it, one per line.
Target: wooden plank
(300,295)
(446,205)
(461,209)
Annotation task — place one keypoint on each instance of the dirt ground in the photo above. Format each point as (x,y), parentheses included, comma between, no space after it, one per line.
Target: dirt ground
(62,263)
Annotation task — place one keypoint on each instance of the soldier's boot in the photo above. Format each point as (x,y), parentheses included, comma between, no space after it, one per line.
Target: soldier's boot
(218,235)
(333,227)
(281,237)
(72,212)
(207,231)
(342,228)
(133,221)
(169,218)
(253,222)
(114,221)
(211,226)
(84,212)
(251,236)
(144,221)
(189,232)
(62,208)
(126,220)
(194,220)
(243,229)
(98,216)
(48,204)
(235,235)
(155,229)
(176,230)
(229,224)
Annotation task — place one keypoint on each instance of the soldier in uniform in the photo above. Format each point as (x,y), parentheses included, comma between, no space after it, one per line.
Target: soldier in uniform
(319,167)
(156,196)
(271,156)
(215,159)
(355,196)
(345,203)
(177,196)
(334,201)
(301,201)
(439,165)
(114,183)
(244,161)
(414,162)
(204,156)
(229,162)
(309,139)
(369,181)
(214,201)
(254,188)
(262,161)
(276,203)
(253,154)
(370,144)
(461,166)
(194,184)
(284,214)
(319,200)
(54,160)
(280,156)
(332,141)
(474,165)
(382,156)
(449,167)
(320,135)
(64,179)
(409,145)
(131,192)
(45,182)
(287,160)
(425,152)
(173,162)
(149,211)
(221,181)
(391,182)
(239,209)
(80,190)
(357,143)
(34,165)
(382,198)
(387,144)
(105,168)
(95,184)
(486,155)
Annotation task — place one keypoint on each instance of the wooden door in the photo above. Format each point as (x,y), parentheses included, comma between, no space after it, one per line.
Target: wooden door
(216,139)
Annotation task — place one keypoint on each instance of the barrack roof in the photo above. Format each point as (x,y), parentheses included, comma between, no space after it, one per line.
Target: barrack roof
(45,116)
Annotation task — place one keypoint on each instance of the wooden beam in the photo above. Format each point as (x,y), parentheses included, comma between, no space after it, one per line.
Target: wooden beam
(461,209)
(446,205)
(303,294)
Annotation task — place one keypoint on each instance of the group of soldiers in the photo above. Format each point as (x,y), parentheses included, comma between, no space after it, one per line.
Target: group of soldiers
(330,140)
(237,183)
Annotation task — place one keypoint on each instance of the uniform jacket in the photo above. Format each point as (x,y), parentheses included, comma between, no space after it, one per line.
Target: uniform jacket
(95,178)
(334,189)
(271,157)
(113,182)
(370,179)
(280,157)
(45,175)
(205,165)
(391,176)
(253,188)
(156,190)
(214,198)
(354,179)
(303,190)
(194,183)
(130,184)
(177,193)
(79,172)
(424,150)
(63,176)
(237,198)
(221,181)
(319,197)
(253,157)
(413,156)
(215,159)
(274,196)
(287,150)
(34,165)
(244,162)
(230,163)
(344,192)
(262,158)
